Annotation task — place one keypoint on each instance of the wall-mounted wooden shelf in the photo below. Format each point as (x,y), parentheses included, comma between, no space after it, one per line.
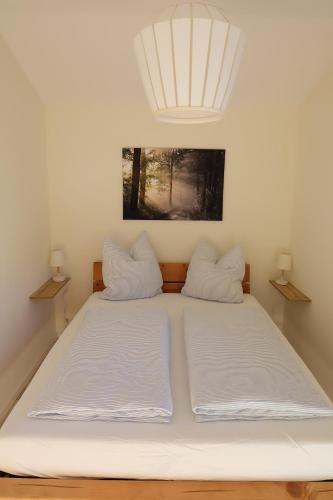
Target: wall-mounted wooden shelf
(290,292)
(49,290)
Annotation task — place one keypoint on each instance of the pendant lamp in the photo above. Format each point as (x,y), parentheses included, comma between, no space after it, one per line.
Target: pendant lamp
(188,60)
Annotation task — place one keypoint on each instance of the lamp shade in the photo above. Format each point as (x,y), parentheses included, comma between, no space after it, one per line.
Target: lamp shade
(188,61)
(57,258)
(284,262)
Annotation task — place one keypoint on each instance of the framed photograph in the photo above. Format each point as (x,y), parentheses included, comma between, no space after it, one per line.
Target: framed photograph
(173,183)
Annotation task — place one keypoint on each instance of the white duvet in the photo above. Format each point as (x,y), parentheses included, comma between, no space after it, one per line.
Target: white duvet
(242,368)
(117,368)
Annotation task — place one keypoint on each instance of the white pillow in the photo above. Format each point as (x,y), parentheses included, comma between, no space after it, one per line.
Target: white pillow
(212,278)
(133,274)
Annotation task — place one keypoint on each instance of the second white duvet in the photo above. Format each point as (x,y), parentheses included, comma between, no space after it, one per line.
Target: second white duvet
(117,368)
(242,368)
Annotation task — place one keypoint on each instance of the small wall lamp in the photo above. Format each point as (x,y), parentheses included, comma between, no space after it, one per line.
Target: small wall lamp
(57,259)
(284,264)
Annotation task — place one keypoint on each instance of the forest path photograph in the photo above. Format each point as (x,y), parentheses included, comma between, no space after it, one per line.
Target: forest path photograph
(173,183)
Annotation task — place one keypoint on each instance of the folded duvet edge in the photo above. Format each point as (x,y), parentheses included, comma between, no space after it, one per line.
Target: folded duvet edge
(254,410)
(103,418)
(262,413)
(153,415)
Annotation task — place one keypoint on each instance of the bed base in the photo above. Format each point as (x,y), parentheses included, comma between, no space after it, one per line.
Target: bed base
(17,488)
(84,489)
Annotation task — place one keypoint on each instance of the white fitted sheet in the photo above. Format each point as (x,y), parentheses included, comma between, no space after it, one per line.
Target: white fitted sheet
(183,449)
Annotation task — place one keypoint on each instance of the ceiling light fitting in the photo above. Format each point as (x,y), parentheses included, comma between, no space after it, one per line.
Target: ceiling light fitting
(188,61)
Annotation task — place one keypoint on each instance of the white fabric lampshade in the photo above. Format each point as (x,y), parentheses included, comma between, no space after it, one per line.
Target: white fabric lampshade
(57,258)
(188,61)
(284,262)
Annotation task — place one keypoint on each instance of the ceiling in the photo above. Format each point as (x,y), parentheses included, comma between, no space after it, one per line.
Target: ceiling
(81,50)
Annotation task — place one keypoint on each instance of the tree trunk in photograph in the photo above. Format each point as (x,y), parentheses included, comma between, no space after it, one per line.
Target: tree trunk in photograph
(198,180)
(171,179)
(143,178)
(212,185)
(203,198)
(218,183)
(135,179)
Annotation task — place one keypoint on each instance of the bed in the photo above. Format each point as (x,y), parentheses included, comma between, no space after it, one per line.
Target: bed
(226,459)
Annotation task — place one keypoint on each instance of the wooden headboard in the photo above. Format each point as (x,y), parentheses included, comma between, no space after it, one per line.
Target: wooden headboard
(173,273)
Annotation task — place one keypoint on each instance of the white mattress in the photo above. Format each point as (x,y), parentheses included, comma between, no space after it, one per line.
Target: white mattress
(183,449)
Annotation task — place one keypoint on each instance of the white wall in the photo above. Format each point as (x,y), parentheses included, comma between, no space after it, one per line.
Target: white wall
(85,183)
(24,218)
(310,327)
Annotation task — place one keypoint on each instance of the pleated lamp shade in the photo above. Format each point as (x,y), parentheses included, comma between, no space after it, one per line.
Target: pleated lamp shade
(57,258)
(188,61)
(284,262)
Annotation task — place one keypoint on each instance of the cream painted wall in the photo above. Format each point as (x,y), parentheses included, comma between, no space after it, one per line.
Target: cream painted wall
(24,218)
(310,327)
(85,184)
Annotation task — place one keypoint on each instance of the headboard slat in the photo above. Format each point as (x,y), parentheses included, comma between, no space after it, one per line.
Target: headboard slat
(173,273)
